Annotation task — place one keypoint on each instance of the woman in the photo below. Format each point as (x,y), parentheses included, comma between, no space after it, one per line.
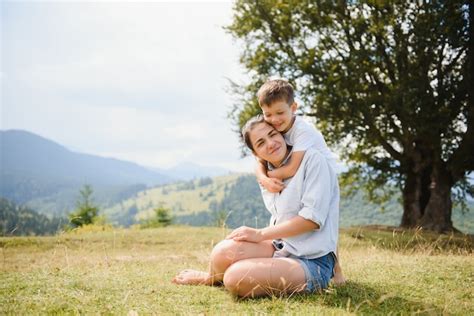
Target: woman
(296,253)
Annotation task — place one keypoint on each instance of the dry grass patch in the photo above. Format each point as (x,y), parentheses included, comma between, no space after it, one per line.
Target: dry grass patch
(129,271)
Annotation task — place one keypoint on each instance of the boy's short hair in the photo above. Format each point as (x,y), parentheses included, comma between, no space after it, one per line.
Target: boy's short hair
(248,127)
(275,90)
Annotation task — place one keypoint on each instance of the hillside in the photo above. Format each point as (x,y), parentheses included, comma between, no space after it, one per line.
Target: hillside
(46,176)
(186,171)
(236,198)
(22,221)
(186,198)
(129,272)
(25,155)
(35,171)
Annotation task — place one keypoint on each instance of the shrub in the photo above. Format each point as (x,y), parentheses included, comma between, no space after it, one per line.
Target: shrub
(162,218)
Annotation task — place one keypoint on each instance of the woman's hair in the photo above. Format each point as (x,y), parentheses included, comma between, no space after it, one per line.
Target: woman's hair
(248,127)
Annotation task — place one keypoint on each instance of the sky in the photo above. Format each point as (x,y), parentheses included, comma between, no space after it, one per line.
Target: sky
(138,81)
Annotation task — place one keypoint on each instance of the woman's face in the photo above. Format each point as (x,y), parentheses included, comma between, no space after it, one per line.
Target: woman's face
(268,144)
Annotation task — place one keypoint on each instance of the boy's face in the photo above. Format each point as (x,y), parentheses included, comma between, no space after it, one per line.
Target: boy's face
(279,114)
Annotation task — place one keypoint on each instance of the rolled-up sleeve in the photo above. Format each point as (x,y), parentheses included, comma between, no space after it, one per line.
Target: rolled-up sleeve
(316,190)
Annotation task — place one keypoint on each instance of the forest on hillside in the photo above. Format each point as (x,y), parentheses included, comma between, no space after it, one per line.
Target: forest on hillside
(22,221)
(241,204)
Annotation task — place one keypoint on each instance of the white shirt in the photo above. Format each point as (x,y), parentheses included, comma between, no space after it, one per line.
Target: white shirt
(312,193)
(303,135)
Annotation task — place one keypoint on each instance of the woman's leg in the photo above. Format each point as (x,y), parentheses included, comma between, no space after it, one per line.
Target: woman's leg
(223,255)
(265,276)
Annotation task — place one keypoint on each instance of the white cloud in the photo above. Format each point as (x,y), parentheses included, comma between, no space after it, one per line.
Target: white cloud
(138,81)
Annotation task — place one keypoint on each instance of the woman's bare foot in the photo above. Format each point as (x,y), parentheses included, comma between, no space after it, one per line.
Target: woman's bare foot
(338,279)
(192,277)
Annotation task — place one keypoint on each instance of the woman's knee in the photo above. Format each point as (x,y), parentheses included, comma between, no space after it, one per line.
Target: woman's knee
(238,281)
(233,279)
(225,253)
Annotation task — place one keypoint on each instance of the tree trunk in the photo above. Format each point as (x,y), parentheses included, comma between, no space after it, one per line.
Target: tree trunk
(411,201)
(437,214)
(416,195)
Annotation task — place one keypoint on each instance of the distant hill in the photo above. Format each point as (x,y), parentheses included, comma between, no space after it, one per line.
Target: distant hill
(185,198)
(24,153)
(34,168)
(236,199)
(21,221)
(190,171)
(41,175)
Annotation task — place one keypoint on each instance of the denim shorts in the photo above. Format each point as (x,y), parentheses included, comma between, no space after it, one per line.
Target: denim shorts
(318,271)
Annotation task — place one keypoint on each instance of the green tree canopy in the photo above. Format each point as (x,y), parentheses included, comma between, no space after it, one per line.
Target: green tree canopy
(390,83)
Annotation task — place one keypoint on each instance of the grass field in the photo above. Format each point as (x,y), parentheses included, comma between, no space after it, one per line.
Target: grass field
(129,272)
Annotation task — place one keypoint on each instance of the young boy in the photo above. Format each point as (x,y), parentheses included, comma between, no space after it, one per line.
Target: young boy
(276,98)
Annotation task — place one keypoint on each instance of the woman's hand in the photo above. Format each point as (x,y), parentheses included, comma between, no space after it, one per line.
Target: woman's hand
(245,233)
(292,227)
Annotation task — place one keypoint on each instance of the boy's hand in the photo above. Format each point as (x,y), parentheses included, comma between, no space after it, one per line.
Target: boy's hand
(272,174)
(272,185)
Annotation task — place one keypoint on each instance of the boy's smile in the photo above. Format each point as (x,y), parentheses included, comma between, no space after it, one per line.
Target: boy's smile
(280,115)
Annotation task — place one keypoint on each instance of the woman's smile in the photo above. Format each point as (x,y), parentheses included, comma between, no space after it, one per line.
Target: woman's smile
(276,148)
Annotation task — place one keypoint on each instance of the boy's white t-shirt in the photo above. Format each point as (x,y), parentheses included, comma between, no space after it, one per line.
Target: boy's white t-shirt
(302,135)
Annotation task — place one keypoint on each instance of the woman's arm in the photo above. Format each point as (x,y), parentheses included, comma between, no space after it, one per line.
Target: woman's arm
(292,227)
(315,202)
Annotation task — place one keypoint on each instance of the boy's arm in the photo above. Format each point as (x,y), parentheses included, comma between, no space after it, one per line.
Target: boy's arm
(260,170)
(270,184)
(288,170)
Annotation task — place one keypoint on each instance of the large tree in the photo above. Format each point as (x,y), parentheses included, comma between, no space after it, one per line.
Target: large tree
(390,83)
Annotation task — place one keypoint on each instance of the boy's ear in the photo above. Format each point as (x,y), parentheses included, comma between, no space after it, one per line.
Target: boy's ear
(293,107)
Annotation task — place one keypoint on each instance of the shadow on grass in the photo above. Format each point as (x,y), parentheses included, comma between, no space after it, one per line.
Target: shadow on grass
(356,297)
(362,298)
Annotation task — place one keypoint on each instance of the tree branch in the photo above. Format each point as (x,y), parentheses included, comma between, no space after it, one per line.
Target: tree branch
(369,121)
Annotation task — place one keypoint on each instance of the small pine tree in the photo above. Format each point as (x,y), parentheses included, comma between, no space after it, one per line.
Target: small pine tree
(162,218)
(86,212)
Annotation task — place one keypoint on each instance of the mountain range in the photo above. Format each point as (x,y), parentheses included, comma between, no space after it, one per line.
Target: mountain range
(189,171)
(42,176)
(47,176)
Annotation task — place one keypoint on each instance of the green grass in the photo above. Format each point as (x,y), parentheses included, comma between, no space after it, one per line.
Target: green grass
(129,271)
